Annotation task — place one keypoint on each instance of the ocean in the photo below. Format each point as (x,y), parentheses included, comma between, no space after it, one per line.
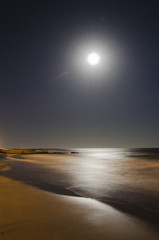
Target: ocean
(127,179)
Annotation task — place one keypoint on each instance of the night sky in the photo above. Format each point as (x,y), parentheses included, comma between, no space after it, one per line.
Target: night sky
(50,97)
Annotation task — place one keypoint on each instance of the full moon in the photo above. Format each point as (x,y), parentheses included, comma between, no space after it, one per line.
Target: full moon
(93,59)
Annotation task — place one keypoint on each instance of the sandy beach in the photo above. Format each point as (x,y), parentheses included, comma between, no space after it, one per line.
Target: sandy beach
(27,212)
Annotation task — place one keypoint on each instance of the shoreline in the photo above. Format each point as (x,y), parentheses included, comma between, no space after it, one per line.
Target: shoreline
(28,175)
(29,213)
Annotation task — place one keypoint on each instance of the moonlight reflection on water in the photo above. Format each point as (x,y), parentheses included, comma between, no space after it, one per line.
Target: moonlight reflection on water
(126,179)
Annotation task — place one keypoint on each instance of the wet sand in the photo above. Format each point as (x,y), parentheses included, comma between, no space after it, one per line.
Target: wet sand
(124,181)
(29,213)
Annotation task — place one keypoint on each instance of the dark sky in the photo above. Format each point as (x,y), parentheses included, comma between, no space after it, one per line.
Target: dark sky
(48,99)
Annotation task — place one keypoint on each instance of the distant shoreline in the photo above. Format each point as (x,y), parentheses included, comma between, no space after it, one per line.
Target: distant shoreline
(36,151)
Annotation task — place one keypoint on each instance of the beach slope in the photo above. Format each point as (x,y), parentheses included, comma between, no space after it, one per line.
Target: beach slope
(29,213)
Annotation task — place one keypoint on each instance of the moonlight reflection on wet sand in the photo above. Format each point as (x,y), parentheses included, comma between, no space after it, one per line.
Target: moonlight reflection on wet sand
(125,179)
